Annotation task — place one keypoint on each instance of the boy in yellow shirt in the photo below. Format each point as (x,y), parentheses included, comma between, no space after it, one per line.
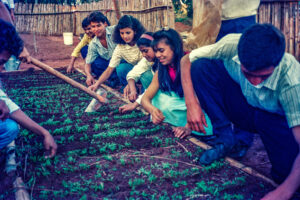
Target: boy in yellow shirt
(83,44)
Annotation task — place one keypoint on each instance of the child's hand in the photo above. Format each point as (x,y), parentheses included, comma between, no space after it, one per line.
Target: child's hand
(93,87)
(25,56)
(128,107)
(157,116)
(126,91)
(181,132)
(50,145)
(70,69)
(90,80)
(133,96)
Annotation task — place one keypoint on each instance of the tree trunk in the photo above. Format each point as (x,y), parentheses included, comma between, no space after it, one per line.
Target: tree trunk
(206,23)
(117,9)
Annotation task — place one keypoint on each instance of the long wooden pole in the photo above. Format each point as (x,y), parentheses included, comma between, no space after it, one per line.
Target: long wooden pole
(68,80)
(117,9)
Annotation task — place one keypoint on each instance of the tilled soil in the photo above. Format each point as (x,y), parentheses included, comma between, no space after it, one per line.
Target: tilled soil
(109,155)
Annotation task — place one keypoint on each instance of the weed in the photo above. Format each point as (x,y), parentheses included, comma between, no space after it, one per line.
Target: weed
(133,183)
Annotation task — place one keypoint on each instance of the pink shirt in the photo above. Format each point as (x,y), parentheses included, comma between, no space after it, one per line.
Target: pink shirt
(172,72)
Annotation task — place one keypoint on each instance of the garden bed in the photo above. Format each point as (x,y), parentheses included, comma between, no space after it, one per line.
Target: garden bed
(107,155)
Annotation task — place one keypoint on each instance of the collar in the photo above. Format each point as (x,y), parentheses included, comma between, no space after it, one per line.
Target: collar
(109,30)
(270,82)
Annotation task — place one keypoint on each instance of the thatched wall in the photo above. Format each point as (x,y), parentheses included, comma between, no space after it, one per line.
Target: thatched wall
(53,19)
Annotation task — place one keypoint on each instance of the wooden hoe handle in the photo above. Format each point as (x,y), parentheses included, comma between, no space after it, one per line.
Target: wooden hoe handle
(67,79)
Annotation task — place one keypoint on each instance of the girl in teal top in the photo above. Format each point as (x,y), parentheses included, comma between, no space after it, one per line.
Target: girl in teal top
(164,98)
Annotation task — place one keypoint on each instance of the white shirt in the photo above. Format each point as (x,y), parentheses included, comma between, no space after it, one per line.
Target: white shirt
(10,104)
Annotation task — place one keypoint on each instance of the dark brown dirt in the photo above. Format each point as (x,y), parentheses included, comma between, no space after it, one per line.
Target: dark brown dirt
(147,162)
(51,50)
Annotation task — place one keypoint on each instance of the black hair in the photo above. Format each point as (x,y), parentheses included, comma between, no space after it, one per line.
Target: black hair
(98,16)
(9,39)
(128,21)
(85,22)
(173,39)
(261,46)
(145,41)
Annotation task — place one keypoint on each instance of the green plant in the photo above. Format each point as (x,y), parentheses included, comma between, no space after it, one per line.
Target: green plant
(133,183)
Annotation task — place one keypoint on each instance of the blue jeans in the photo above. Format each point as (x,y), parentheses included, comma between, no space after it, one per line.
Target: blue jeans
(99,65)
(235,25)
(122,70)
(146,79)
(222,99)
(8,132)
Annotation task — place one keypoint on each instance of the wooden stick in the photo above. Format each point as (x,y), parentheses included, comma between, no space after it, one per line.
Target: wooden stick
(68,80)
(21,192)
(235,163)
(116,93)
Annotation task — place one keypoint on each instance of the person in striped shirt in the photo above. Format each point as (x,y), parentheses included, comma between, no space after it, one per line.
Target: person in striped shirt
(250,81)
(126,54)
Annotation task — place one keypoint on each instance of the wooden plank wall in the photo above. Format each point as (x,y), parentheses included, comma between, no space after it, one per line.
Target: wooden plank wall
(43,18)
(285,15)
(51,19)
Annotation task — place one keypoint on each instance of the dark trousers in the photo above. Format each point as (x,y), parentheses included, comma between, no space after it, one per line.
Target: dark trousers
(222,99)
(99,65)
(235,25)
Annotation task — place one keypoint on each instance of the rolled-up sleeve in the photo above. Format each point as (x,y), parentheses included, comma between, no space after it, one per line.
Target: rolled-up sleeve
(10,104)
(136,72)
(223,49)
(92,53)
(116,57)
(85,41)
(290,102)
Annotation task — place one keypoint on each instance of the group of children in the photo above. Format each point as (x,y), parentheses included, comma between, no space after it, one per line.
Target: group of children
(153,59)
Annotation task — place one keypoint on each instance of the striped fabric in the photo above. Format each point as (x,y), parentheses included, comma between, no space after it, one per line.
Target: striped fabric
(96,49)
(280,93)
(131,54)
(136,72)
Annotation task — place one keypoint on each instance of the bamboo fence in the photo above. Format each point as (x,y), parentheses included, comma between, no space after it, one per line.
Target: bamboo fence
(285,15)
(52,19)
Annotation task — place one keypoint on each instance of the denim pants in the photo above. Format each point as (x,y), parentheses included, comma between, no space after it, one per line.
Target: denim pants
(235,25)
(146,79)
(222,99)
(99,65)
(122,70)
(8,132)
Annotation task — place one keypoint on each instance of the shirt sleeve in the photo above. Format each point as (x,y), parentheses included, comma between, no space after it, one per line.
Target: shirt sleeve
(116,57)
(223,49)
(92,53)
(85,40)
(10,104)
(136,72)
(139,99)
(290,101)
